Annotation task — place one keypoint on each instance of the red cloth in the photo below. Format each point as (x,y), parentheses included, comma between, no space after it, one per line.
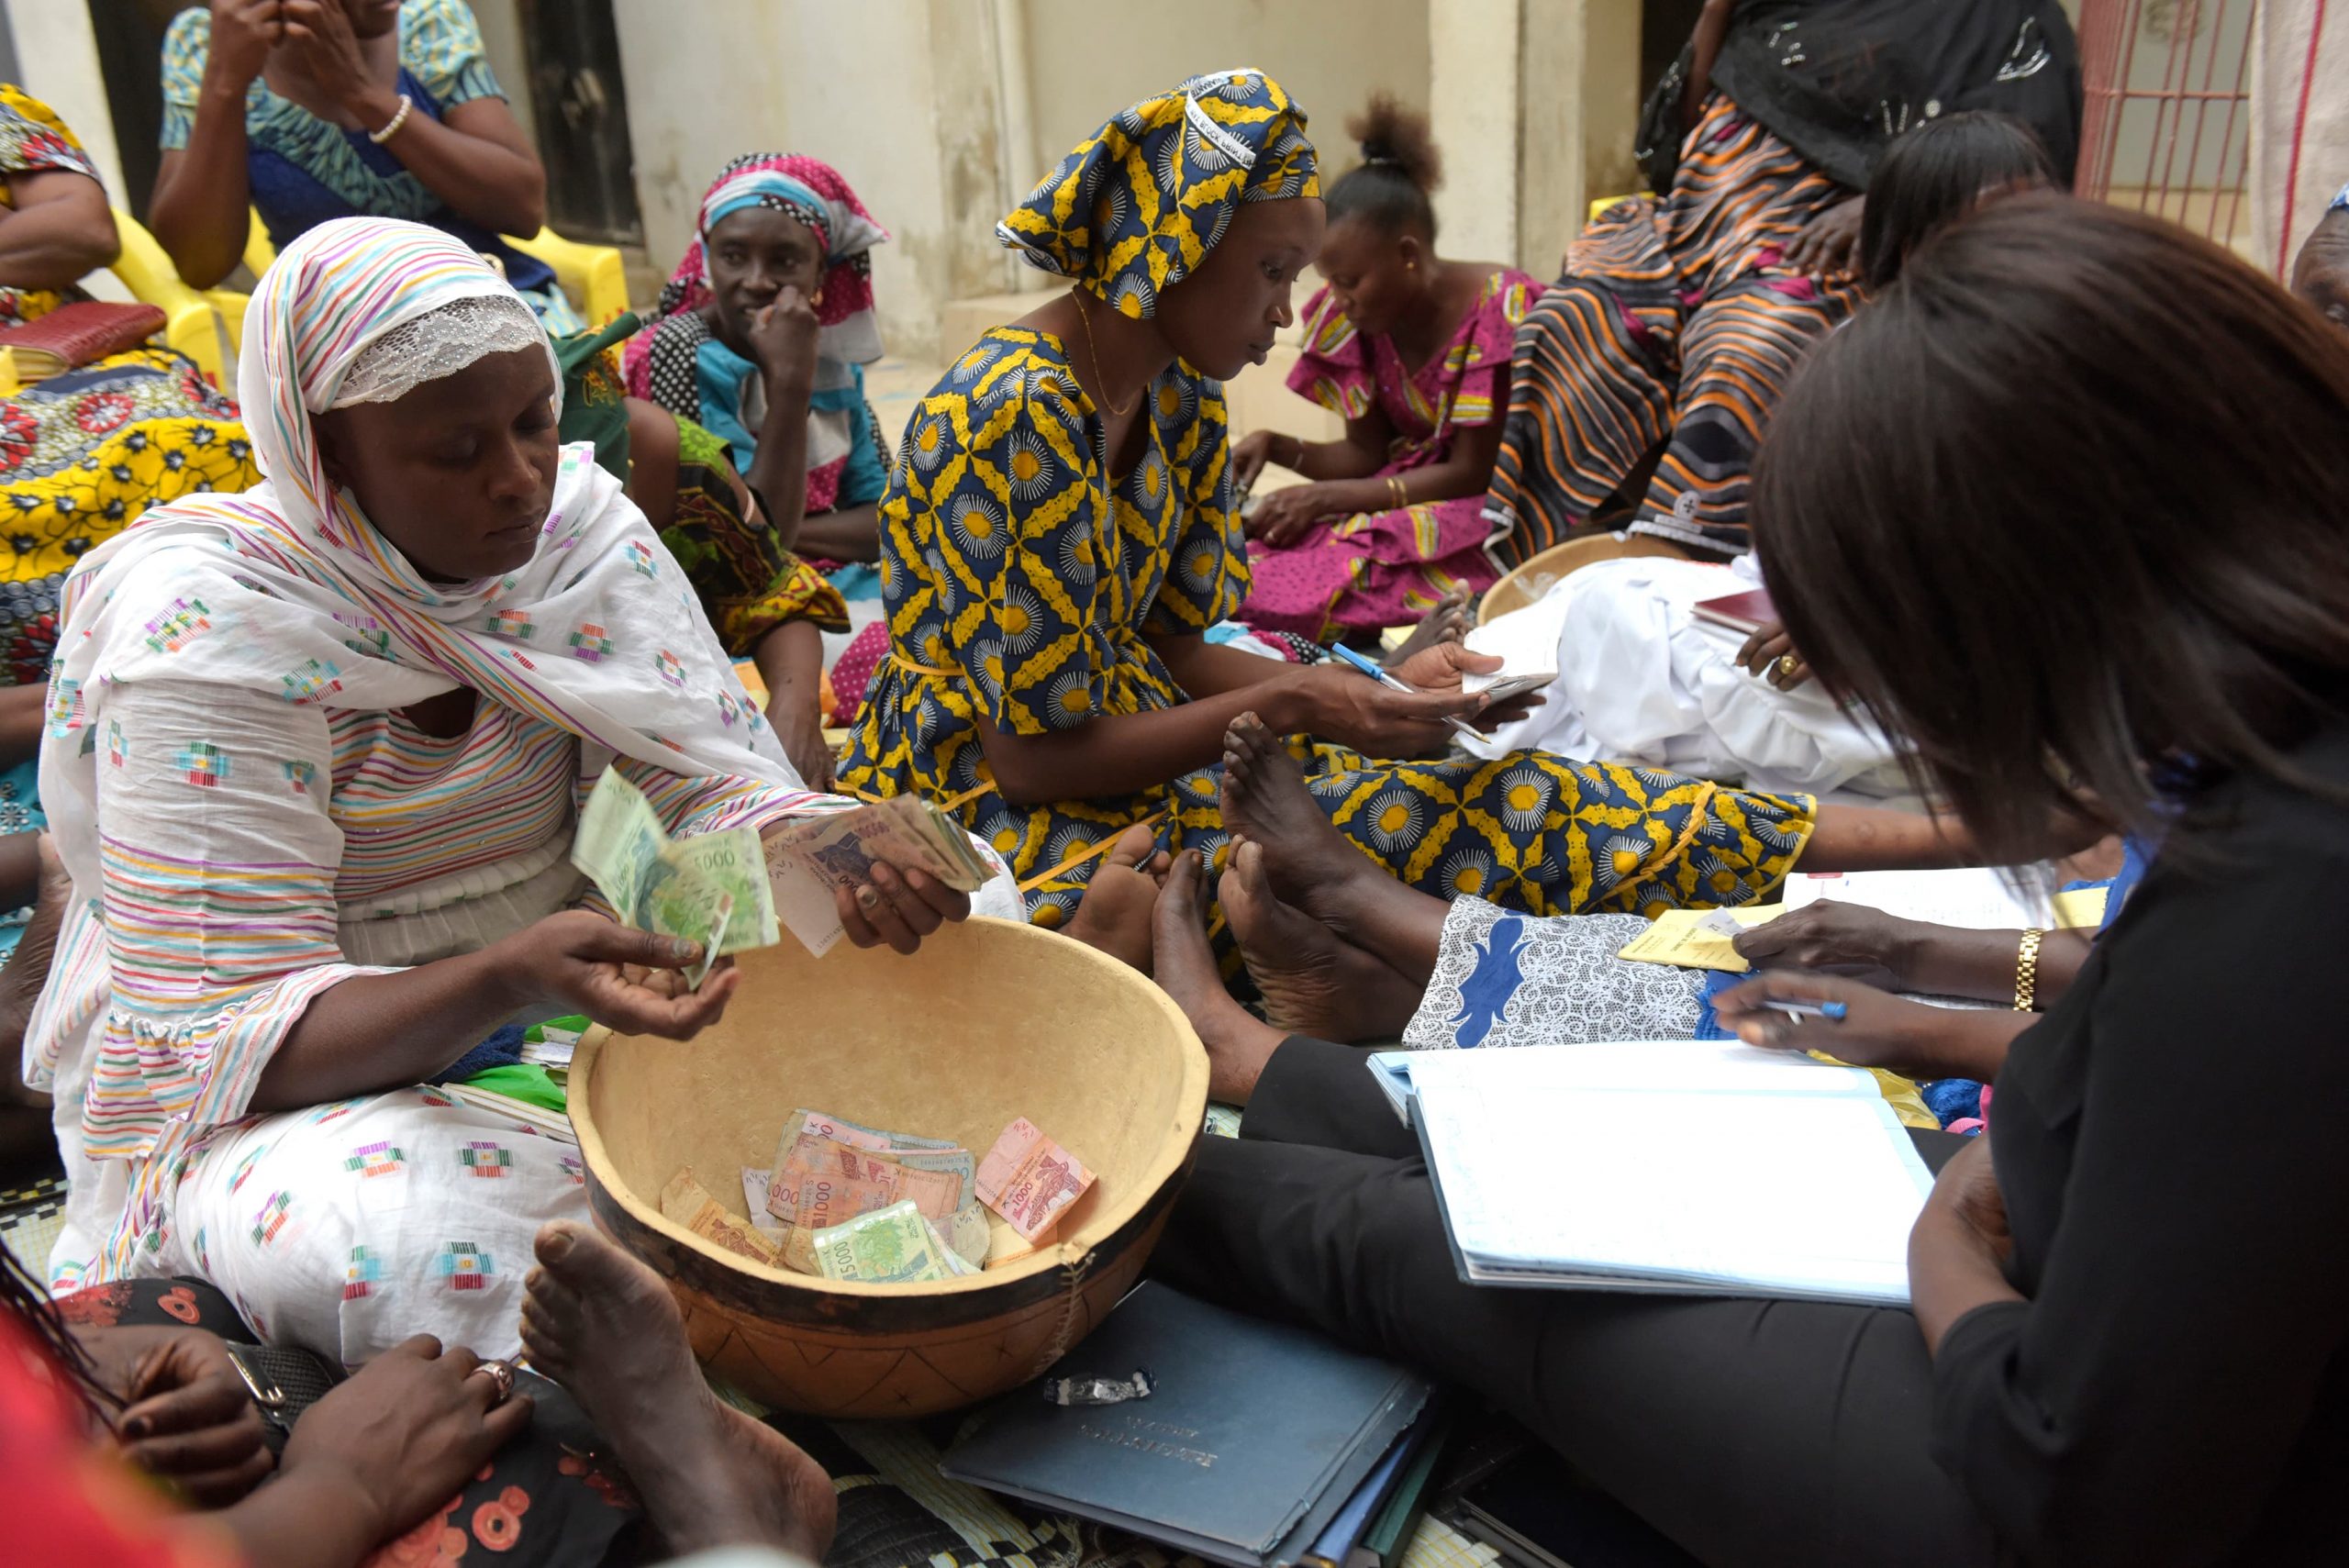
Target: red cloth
(854,672)
(67,1501)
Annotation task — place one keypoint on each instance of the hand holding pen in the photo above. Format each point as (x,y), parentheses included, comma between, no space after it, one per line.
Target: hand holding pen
(1796,1010)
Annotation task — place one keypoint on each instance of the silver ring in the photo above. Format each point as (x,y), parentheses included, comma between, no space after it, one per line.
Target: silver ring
(501,1376)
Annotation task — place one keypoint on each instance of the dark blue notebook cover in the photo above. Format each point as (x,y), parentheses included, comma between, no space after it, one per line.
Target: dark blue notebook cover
(1255,1436)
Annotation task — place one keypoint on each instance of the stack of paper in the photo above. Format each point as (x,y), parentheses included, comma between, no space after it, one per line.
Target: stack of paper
(1975,898)
(1698,1166)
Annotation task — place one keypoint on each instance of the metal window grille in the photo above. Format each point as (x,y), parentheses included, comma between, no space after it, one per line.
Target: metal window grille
(2167,122)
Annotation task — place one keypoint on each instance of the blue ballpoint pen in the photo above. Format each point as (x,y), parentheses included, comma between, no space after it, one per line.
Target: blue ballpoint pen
(1833,1012)
(1384,679)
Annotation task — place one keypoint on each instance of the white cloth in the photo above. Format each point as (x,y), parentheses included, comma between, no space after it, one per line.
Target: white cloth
(230,681)
(1642,681)
(2299,123)
(351,1227)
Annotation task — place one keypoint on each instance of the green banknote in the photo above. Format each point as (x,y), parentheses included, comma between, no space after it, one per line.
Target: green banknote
(892,1245)
(655,883)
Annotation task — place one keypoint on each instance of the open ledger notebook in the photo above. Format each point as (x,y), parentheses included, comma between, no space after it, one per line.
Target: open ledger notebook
(1701,1166)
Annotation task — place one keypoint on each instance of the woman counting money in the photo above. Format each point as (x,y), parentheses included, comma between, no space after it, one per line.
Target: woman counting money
(338,728)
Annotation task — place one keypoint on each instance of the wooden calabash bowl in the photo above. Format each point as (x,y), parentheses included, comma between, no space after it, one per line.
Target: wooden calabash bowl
(989,1021)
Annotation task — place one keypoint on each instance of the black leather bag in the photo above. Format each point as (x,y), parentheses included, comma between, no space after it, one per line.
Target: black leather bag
(284,1383)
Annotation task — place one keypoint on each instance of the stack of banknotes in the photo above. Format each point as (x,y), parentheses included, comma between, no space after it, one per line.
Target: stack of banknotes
(851,1202)
(727,890)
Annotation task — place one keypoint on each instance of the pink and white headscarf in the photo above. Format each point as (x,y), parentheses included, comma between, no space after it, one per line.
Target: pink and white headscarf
(289,589)
(813,193)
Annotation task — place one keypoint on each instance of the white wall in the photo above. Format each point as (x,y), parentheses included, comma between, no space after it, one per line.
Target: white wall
(57,61)
(1472,88)
(897,94)
(1088,59)
(501,38)
(1534,102)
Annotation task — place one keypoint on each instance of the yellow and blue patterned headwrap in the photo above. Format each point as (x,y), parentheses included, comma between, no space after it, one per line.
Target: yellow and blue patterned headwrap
(1131,210)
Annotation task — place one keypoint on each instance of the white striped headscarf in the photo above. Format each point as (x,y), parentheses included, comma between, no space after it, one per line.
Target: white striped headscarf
(288,589)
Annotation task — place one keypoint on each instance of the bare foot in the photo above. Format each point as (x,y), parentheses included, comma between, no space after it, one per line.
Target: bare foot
(1239,1043)
(1448,622)
(1114,914)
(1309,864)
(600,1323)
(1315,981)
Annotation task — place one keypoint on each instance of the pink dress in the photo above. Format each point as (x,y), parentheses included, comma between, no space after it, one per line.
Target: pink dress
(1382,569)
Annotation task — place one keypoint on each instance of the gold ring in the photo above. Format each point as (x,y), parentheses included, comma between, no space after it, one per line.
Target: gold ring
(1787,666)
(501,1376)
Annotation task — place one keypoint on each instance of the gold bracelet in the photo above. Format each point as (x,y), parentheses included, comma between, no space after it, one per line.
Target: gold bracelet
(1394,488)
(2027,971)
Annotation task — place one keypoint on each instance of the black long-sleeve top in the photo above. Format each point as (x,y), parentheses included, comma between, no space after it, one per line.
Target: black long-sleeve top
(2172,1142)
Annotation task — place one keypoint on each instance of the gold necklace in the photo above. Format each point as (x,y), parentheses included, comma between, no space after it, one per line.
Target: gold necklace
(1085,319)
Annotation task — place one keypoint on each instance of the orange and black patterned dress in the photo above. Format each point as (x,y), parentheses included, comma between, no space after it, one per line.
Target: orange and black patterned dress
(1674,325)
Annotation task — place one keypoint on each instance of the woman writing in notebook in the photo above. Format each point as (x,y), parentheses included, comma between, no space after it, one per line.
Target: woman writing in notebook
(2126,1346)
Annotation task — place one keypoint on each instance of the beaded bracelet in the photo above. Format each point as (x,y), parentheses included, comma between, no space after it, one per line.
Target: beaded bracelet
(399,119)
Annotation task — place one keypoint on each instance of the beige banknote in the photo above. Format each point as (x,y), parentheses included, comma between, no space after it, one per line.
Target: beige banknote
(689,1204)
(1031,1180)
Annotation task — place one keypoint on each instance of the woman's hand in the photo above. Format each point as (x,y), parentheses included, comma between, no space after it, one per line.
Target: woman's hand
(1249,456)
(1770,654)
(404,1434)
(322,47)
(1876,1031)
(1281,516)
(244,32)
(1848,940)
(627,980)
(1345,705)
(782,339)
(1443,667)
(189,1418)
(1829,244)
(1959,1246)
(801,730)
(1966,1195)
(1915,1039)
(898,906)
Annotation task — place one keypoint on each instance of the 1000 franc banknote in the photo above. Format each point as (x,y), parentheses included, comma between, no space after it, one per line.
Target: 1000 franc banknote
(671,886)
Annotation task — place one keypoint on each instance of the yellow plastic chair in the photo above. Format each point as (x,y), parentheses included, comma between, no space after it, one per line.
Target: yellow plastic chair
(591,275)
(259,251)
(193,323)
(208,325)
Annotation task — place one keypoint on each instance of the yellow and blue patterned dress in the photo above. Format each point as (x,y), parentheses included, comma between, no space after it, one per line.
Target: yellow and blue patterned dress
(1022,585)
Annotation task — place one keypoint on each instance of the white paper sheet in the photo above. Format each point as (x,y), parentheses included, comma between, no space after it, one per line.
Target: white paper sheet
(1672,1165)
(1975,899)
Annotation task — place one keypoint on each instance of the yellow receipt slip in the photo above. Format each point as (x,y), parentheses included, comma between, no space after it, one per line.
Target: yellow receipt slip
(1699,939)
